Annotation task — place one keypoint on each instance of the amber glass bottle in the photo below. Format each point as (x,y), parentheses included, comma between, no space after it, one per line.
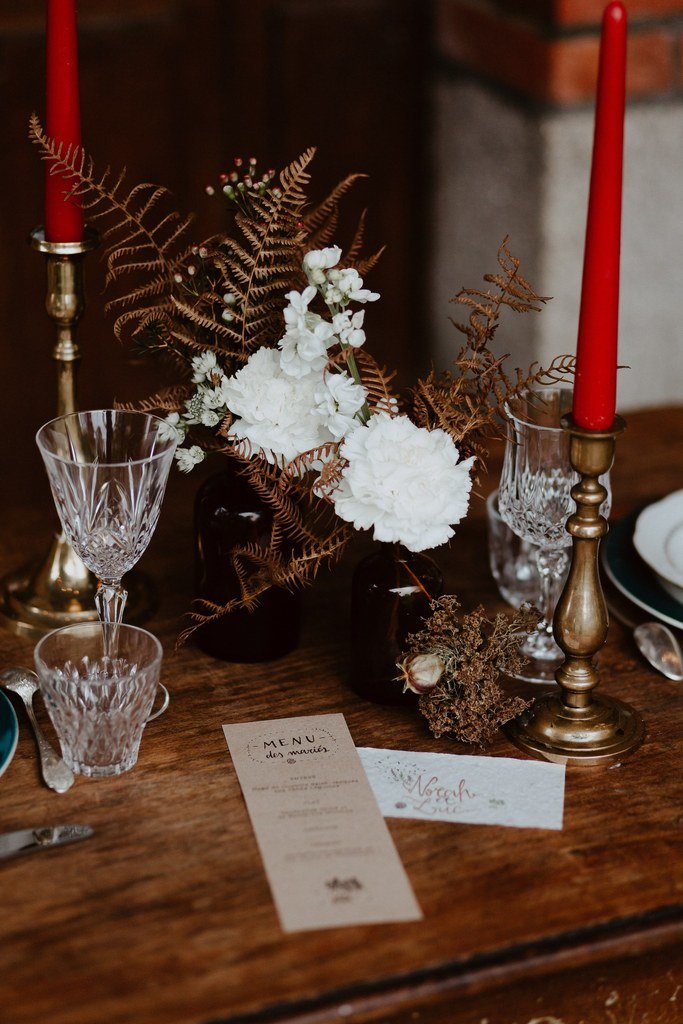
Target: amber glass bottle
(390,598)
(229,513)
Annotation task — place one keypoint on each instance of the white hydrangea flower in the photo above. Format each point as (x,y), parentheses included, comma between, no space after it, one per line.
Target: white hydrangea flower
(275,412)
(348,327)
(403,481)
(338,398)
(172,428)
(188,458)
(318,261)
(305,342)
(203,367)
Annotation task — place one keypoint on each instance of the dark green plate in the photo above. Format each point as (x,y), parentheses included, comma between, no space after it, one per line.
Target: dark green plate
(631,576)
(9,732)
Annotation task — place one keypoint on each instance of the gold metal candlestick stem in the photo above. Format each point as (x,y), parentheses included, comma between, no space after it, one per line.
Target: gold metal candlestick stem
(61,589)
(578,726)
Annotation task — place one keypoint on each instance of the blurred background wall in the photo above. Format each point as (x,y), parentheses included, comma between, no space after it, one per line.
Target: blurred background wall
(472,118)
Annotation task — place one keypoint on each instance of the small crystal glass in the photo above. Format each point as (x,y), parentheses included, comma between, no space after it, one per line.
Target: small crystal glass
(99,705)
(108,471)
(535,501)
(511,560)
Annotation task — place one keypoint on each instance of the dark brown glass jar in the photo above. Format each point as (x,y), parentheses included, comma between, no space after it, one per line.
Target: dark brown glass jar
(390,598)
(229,513)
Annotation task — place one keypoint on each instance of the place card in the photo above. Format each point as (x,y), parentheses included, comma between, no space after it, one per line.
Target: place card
(466,789)
(327,851)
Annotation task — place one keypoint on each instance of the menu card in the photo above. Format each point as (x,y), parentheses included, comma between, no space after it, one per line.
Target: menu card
(328,854)
(465,788)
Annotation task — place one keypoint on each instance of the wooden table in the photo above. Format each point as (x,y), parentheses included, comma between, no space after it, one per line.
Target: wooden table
(165,915)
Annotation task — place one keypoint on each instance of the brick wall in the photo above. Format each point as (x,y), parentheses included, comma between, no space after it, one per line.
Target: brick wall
(547,50)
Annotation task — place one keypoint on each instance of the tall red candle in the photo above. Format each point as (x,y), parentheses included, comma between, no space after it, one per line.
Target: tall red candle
(63,218)
(595,383)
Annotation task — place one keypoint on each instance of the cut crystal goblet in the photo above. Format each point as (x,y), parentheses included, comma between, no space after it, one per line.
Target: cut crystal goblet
(108,471)
(535,500)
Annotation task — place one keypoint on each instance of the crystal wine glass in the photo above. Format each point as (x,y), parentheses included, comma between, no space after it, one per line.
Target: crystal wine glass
(535,501)
(108,471)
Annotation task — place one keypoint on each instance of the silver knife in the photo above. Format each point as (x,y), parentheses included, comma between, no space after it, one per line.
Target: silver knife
(30,839)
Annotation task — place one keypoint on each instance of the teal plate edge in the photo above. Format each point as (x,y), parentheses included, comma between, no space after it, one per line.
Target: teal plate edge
(9,732)
(630,574)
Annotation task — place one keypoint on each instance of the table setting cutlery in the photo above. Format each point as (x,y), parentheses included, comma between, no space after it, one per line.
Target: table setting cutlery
(30,840)
(24,683)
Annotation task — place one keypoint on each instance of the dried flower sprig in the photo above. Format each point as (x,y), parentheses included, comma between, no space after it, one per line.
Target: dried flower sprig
(454,663)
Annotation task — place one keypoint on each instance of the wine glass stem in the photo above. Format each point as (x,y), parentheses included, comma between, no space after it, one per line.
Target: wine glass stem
(110,600)
(551,566)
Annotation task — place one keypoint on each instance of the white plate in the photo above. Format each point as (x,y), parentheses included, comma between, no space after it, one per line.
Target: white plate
(658,539)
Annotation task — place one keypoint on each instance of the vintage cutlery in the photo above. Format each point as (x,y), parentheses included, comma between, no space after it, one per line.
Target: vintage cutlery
(660,647)
(55,773)
(30,839)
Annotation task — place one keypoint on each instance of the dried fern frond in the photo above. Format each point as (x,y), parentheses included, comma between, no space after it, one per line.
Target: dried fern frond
(141,236)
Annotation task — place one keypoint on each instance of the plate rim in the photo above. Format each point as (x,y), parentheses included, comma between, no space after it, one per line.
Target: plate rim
(13,718)
(644,543)
(639,602)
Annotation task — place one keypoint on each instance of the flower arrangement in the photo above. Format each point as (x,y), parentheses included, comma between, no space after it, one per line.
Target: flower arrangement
(265,328)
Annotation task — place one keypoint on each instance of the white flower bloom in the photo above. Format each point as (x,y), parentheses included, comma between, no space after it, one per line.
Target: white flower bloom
(403,481)
(188,458)
(347,326)
(275,412)
(213,398)
(322,259)
(305,342)
(210,418)
(172,428)
(338,399)
(203,366)
(421,672)
(350,284)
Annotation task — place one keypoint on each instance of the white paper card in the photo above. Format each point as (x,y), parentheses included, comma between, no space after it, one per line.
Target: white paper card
(327,851)
(466,789)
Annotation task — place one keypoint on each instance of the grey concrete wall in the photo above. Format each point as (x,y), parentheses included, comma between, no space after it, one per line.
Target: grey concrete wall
(501,168)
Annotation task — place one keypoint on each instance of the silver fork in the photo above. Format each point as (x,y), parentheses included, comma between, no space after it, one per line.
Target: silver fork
(55,773)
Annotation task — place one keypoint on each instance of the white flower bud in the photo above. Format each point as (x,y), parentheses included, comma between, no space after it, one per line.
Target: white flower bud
(421,672)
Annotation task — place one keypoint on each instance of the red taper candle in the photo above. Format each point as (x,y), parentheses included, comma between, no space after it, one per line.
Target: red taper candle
(595,385)
(63,218)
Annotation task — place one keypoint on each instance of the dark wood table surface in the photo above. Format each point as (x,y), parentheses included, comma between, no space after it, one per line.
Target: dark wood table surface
(165,915)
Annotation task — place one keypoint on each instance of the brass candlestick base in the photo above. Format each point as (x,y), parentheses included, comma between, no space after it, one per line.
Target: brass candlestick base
(61,590)
(576,726)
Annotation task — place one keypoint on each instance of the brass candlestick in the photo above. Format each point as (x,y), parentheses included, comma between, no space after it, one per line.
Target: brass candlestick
(61,590)
(578,726)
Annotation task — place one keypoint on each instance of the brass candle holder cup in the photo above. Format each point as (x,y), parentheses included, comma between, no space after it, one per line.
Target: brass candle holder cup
(60,590)
(578,726)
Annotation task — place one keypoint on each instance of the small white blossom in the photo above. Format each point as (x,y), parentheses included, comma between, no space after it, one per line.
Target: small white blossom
(322,259)
(172,428)
(350,284)
(348,327)
(209,418)
(307,337)
(338,399)
(203,366)
(188,458)
(402,481)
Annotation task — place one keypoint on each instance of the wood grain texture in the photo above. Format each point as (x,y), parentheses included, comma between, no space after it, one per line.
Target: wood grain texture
(165,914)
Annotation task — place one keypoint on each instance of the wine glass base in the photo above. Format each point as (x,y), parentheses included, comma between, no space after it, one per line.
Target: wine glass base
(34,600)
(538,670)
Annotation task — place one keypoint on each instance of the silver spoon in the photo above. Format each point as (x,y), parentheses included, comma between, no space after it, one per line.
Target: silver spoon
(660,647)
(55,773)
